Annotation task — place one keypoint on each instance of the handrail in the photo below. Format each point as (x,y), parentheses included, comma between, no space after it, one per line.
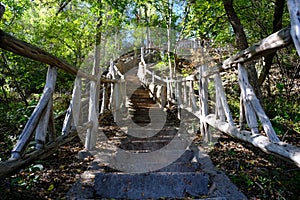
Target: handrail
(222,118)
(180,88)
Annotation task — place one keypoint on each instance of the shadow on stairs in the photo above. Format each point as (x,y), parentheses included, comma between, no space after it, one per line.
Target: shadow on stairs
(189,175)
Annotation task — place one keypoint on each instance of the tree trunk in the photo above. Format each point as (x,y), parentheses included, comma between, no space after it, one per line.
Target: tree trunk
(241,42)
(277,25)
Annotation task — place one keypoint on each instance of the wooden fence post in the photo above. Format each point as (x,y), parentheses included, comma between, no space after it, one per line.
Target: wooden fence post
(247,107)
(253,106)
(34,119)
(203,92)
(41,129)
(73,112)
(51,125)
(220,94)
(91,136)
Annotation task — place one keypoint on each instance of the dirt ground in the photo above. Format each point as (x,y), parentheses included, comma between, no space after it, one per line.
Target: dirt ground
(258,175)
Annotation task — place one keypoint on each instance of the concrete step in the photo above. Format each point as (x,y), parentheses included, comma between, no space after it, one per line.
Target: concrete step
(192,176)
(151,185)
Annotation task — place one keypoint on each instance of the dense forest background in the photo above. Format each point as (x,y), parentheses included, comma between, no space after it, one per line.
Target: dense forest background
(69,29)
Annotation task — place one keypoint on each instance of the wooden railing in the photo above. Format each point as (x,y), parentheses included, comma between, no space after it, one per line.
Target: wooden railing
(181,91)
(82,115)
(42,121)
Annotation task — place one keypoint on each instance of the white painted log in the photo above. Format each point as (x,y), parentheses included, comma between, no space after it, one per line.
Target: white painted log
(51,125)
(242,119)
(116,101)
(141,73)
(250,96)
(184,92)
(219,111)
(11,166)
(266,46)
(33,121)
(192,97)
(203,88)
(91,136)
(67,121)
(103,102)
(179,94)
(223,99)
(41,129)
(279,149)
(220,96)
(294,10)
(73,112)
(250,114)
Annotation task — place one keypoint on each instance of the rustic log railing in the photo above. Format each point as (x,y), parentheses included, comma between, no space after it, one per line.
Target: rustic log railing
(180,90)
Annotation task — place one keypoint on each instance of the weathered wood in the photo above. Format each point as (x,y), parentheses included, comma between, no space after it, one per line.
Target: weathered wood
(212,70)
(203,88)
(141,73)
(163,96)
(255,105)
(72,115)
(34,119)
(242,119)
(51,125)
(76,101)
(178,97)
(84,127)
(93,117)
(250,114)
(12,44)
(222,96)
(279,149)
(192,96)
(91,135)
(41,129)
(184,92)
(219,111)
(266,46)
(116,101)
(12,166)
(294,10)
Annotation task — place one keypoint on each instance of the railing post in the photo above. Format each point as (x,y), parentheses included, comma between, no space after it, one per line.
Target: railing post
(185,98)
(41,129)
(253,107)
(192,97)
(34,119)
(91,136)
(203,92)
(221,101)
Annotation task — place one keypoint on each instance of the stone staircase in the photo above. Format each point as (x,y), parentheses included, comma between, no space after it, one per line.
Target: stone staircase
(132,161)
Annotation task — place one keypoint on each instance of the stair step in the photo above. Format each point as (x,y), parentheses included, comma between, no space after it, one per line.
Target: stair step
(151,185)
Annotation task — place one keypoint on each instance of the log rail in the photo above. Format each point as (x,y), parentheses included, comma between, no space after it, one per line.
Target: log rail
(179,90)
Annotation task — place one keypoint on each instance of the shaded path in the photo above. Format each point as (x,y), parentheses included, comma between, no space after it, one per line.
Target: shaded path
(189,175)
